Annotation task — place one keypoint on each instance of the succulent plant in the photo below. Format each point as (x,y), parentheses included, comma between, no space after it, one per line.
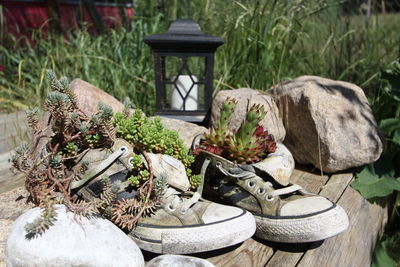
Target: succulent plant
(249,144)
(216,139)
(196,181)
(71,149)
(243,146)
(93,139)
(151,136)
(50,173)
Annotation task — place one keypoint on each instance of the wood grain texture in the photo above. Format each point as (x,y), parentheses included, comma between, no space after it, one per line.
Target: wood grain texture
(354,247)
(336,186)
(309,181)
(333,189)
(250,253)
(351,248)
(13,129)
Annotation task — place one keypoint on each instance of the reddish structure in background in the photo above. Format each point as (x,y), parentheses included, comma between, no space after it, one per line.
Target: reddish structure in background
(21,16)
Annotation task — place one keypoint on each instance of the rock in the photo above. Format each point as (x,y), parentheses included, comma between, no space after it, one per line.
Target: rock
(246,98)
(178,261)
(186,130)
(328,123)
(71,241)
(88,97)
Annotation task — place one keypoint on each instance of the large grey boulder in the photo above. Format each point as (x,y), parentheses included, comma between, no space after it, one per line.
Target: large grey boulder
(328,123)
(88,96)
(246,98)
(71,241)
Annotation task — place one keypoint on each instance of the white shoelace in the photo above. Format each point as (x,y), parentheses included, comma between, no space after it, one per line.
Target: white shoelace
(173,199)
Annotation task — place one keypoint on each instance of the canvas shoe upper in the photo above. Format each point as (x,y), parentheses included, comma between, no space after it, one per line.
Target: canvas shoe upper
(183,222)
(284,212)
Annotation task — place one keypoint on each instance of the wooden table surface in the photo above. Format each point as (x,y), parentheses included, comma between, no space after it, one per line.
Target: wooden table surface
(353,247)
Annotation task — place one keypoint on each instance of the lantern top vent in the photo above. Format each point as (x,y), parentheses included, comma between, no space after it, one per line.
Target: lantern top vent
(183,35)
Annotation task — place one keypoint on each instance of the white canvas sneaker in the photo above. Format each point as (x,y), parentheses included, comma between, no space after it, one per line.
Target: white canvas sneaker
(284,212)
(185,223)
(182,222)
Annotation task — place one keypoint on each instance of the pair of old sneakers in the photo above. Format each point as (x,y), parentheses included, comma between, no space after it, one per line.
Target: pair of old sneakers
(259,200)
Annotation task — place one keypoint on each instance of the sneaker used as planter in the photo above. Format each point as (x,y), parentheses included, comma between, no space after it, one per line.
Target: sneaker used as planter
(183,223)
(284,212)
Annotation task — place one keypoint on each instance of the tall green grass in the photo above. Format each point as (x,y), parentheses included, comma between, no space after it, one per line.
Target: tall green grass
(267,41)
(117,62)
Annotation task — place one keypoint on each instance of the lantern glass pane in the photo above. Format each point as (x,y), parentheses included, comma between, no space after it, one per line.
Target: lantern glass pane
(169,89)
(196,66)
(183,83)
(184,95)
(201,96)
(172,67)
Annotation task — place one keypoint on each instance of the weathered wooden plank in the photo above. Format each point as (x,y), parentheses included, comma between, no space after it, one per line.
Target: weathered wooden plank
(288,255)
(10,209)
(13,129)
(5,164)
(353,247)
(11,182)
(257,253)
(332,190)
(12,116)
(336,186)
(250,253)
(8,180)
(309,181)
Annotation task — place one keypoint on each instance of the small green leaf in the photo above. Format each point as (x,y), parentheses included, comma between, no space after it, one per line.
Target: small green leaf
(396,137)
(382,257)
(371,185)
(387,126)
(378,187)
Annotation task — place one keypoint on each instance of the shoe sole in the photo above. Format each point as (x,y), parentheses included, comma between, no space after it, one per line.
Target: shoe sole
(194,238)
(303,229)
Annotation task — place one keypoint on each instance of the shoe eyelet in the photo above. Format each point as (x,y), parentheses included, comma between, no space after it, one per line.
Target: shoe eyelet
(218,164)
(130,161)
(261,191)
(171,208)
(269,198)
(124,149)
(251,184)
(183,211)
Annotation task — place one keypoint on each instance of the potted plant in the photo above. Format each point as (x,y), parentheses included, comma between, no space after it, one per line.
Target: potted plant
(126,168)
(249,169)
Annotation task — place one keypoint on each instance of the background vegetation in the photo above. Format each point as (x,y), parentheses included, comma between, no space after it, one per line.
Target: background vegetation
(267,41)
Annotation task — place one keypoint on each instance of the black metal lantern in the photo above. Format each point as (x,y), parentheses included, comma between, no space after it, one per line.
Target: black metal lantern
(184,66)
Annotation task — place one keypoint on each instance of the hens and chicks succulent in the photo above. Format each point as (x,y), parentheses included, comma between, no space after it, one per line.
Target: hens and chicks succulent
(249,144)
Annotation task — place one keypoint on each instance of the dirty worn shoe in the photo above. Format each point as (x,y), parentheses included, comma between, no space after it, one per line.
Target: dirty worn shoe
(183,222)
(186,223)
(284,212)
(96,163)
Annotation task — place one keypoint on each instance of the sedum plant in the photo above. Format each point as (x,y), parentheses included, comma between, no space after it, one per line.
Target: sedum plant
(66,134)
(58,143)
(249,144)
(151,136)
